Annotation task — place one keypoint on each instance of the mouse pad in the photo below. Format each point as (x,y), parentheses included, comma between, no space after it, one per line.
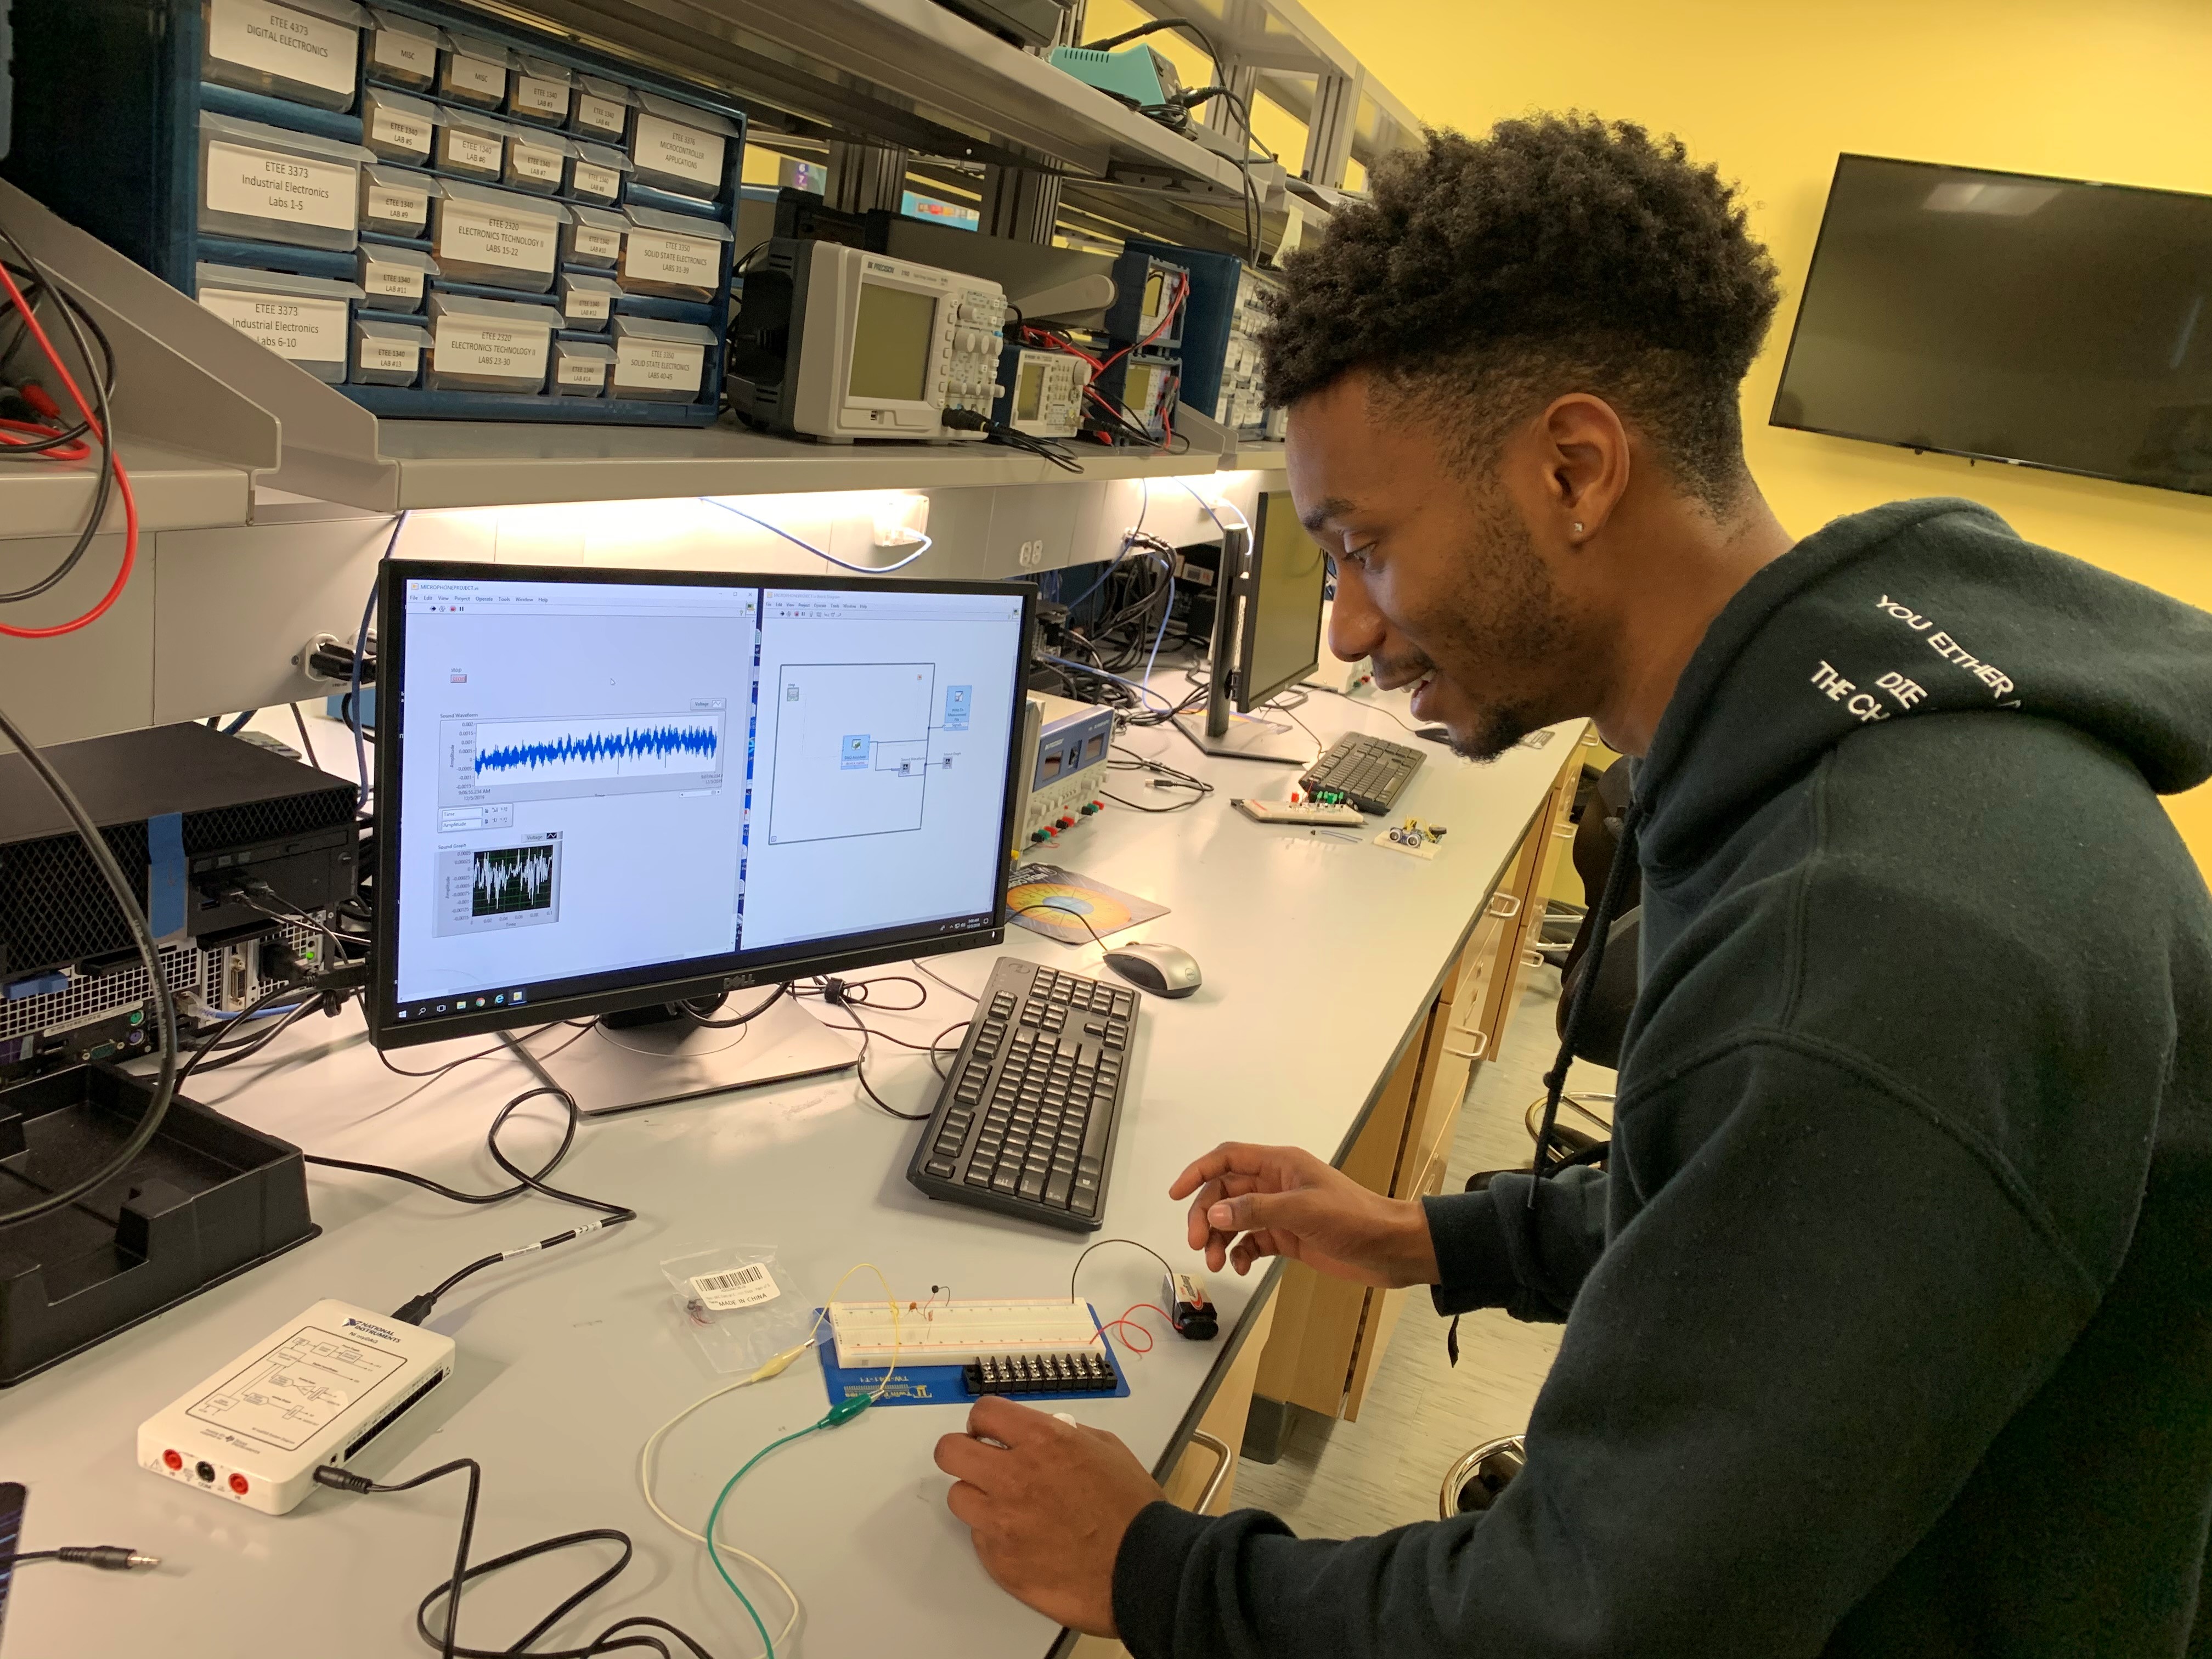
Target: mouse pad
(1107,909)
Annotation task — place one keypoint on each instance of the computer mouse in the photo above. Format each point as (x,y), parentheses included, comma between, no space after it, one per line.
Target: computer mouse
(1165,970)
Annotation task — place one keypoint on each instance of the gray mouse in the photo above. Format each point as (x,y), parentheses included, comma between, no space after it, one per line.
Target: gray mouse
(1165,970)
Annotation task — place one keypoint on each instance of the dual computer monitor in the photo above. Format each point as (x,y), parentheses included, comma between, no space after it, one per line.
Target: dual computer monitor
(1267,634)
(601,790)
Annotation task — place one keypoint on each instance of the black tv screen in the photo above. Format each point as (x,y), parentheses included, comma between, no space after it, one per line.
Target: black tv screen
(2049,322)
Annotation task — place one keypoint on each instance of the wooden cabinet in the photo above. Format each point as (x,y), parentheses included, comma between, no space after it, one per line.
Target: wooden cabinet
(1329,1336)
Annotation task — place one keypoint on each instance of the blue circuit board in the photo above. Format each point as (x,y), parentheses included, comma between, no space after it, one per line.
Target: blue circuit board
(942,1385)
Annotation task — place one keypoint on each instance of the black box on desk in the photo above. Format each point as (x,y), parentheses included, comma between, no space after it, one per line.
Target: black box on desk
(205,1200)
(155,125)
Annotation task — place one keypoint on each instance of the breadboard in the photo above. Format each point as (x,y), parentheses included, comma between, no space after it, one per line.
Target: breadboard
(959,1333)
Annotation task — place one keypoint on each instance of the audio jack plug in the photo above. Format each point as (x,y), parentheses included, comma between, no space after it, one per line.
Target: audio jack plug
(110,1557)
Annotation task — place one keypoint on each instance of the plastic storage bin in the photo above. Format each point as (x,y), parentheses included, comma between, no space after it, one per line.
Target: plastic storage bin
(594,238)
(488,345)
(271,185)
(580,367)
(601,109)
(588,302)
(397,126)
(471,144)
(394,278)
(675,256)
(396,201)
(664,362)
(595,171)
(536,160)
(473,71)
(496,237)
(400,51)
(387,354)
(538,90)
(307,51)
(678,147)
(302,320)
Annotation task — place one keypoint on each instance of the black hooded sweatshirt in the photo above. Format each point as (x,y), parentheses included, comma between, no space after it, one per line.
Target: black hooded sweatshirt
(1889,1328)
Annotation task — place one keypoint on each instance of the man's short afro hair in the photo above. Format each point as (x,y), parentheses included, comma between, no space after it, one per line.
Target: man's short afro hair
(1486,277)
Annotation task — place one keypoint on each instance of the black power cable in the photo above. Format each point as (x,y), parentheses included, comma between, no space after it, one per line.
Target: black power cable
(624,1633)
(142,937)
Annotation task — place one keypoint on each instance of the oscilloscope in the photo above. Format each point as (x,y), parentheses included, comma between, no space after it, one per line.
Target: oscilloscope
(598,791)
(839,343)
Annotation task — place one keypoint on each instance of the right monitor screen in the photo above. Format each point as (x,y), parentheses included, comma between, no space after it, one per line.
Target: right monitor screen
(2047,321)
(1282,612)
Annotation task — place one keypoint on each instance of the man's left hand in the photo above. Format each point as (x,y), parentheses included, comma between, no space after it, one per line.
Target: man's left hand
(1048,1506)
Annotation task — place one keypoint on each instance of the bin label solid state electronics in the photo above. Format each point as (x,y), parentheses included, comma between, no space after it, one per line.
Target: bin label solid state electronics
(312,330)
(489,236)
(401,130)
(510,351)
(660,366)
(259,186)
(670,147)
(656,256)
(277,40)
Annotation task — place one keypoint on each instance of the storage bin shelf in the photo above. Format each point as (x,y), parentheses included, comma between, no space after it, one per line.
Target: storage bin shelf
(175,490)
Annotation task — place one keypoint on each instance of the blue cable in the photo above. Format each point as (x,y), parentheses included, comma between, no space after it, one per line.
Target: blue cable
(239,724)
(1086,668)
(861,569)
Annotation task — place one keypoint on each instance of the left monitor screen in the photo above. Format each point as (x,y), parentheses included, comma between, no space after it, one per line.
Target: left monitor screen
(607,784)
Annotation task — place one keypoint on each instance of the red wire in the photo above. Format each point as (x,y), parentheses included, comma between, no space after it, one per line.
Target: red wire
(76,450)
(122,479)
(1129,1324)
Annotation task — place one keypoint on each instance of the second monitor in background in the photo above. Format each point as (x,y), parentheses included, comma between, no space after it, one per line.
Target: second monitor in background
(1266,636)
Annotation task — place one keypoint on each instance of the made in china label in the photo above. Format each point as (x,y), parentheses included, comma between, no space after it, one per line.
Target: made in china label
(396,282)
(397,130)
(477,151)
(311,330)
(660,366)
(415,55)
(592,179)
(688,261)
(671,147)
(486,80)
(389,357)
(277,40)
(466,345)
(385,205)
(531,161)
(536,97)
(260,185)
(494,236)
(590,242)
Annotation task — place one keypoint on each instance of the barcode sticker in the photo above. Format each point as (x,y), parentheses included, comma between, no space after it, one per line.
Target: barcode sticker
(741,1287)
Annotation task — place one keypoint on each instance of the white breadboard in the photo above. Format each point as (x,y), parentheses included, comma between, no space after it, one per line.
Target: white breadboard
(959,1332)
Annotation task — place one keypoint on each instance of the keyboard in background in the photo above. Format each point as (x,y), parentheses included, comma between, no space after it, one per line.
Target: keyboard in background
(1368,773)
(1024,1123)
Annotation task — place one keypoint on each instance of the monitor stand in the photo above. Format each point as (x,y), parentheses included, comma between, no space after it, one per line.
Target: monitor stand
(608,1071)
(1246,738)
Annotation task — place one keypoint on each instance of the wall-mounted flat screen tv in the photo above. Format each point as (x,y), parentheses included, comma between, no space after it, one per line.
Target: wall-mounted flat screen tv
(2047,322)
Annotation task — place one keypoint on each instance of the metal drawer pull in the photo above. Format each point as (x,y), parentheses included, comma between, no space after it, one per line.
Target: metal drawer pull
(1566,831)
(1221,1449)
(1510,901)
(1481,1046)
(1531,959)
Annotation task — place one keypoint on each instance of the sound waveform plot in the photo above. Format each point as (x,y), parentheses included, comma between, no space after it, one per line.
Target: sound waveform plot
(546,758)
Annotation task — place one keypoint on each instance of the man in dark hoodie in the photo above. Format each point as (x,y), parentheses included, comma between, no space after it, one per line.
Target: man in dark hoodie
(1889,1320)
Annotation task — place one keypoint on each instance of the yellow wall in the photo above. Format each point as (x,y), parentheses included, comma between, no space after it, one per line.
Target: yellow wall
(2108,89)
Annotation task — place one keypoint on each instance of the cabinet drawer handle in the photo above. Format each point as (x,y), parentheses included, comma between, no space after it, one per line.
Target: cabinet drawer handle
(1510,901)
(1482,1045)
(1222,1450)
(1531,960)
(1566,831)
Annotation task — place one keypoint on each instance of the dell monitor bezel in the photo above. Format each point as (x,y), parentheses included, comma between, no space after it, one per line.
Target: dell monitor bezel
(702,977)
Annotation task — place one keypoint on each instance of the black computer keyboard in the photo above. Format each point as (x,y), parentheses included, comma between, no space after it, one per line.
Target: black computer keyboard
(1026,1122)
(1364,772)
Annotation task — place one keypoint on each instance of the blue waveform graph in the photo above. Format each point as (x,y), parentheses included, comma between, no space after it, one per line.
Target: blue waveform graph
(537,758)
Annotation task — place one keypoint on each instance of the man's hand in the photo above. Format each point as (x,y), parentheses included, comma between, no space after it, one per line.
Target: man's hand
(1287,1202)
(1048,1506)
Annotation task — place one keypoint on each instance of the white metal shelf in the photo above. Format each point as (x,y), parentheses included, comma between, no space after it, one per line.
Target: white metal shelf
(174,490)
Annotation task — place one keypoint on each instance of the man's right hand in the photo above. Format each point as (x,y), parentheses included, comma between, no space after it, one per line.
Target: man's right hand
(1280,1200)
